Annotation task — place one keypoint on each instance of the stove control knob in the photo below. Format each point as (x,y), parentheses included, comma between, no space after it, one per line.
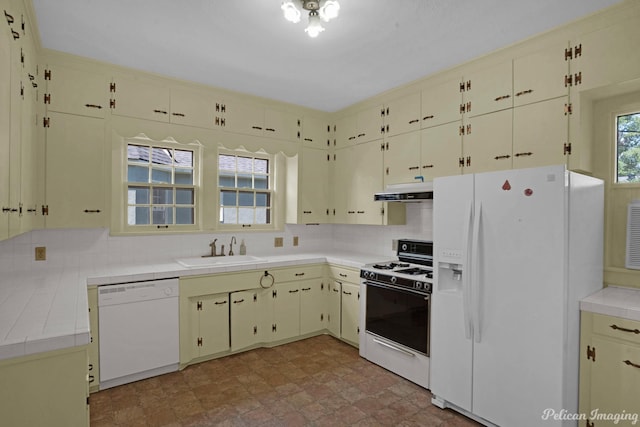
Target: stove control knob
(404,246)
(418,285)
(393,279)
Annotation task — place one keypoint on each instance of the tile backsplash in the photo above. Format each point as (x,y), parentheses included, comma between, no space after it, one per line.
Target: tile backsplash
(96,248)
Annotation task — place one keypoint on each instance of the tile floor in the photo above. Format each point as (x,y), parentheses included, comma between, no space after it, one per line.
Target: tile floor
(319,381)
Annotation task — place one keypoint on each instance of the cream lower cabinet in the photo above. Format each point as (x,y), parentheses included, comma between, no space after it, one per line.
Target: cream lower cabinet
(313,306)
(248,311)
(609,370)
(350,313)
(344,300)
(46,389)
(282,318)
(93,348)
(334,307)
(208,325)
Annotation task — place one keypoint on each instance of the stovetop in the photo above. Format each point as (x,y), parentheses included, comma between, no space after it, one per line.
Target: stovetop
(400,274)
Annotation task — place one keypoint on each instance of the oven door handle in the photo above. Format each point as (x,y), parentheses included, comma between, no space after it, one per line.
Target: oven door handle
(393,347)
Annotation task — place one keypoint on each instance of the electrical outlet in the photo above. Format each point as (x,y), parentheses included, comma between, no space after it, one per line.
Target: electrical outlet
(295,240)
(41,253)
(278,242)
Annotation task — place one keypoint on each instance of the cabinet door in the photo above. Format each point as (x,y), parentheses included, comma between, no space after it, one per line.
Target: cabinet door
(402,158)
(487,142)
(192,108)
(313,191)
(402,115)
(282,125)
(366,164)
(76,92)
(488,90)
(334,308)
(247,311)
(5,126)
(540,131)
(286,312)
(540,76)
(441,148)
(75,172)
(15,136)
(141,99)
(213,323)
(606,56)
(313,306)
(345,131)
(369,125)
(441,103)
(342,177)
(93,349)
(316,133)
(29,160)
(243,117)
(351,313)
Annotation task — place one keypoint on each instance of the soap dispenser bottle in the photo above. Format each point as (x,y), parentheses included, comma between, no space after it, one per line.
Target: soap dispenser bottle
(243,248)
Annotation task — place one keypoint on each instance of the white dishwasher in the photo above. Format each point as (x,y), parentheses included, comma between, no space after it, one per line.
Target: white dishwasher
(139,331)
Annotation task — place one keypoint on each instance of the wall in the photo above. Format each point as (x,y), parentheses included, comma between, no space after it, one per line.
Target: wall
(95,248)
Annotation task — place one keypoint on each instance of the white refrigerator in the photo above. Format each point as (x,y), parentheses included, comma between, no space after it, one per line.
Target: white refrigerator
(514,252)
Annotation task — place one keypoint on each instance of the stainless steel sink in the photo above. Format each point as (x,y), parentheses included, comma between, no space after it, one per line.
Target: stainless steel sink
(218,261)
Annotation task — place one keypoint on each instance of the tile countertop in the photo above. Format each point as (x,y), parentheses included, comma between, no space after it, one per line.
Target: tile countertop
(614,301)
(48,309)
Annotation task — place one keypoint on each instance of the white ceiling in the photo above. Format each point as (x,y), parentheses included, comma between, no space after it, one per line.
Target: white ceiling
(247,46)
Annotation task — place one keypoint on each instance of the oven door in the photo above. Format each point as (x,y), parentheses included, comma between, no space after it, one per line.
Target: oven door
(400,315)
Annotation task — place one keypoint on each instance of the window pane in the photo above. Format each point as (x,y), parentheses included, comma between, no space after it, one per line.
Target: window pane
(262,215)
(245,198)
(138,196)
(184,158)
(162,215)
(229,216)
(160,156)
(137,173)
(184,196)
(245,164)
(184,176)
(245,215)
(161,176)
(184,215)
(227,180)
(137,215)
(628,148)
(226,162)
(244,181)
(261,182)
(138,153)
(262,199)
(162,196)
(261,166)
(228,198)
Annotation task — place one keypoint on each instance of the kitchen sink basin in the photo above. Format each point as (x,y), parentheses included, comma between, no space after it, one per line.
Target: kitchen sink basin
(218,261)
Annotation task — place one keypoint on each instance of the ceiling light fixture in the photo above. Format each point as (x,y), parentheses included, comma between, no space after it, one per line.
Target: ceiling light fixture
(319,10)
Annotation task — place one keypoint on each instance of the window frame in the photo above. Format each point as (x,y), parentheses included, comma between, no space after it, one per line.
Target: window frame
(271,190)
(631,110)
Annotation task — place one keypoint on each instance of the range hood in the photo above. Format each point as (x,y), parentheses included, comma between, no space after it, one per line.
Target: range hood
(412,192)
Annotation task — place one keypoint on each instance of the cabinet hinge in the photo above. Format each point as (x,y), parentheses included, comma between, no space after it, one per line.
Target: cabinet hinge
(460,162)
(22,57)
(199,342)
(274,293)
(328,157)
(568,80)
(461,130)
(112,87)
(461,86)
(591,353)
(322,284)
(255,330)
(468,161)
(462,108)
(568,109)
(568,54)
(255,297)
(45,209)
(567,149)
(46,121)
(577,78)
(358,295)
(274,328)
(47,98)
(47,74)
(322,317)
(199,305)
(577,50)
(112,103)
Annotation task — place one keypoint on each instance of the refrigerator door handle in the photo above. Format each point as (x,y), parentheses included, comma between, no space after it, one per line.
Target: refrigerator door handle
(475,273)
(466,277)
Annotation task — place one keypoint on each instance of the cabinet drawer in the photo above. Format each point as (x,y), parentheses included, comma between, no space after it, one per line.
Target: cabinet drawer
(617,327)
(302,272)
(344,274)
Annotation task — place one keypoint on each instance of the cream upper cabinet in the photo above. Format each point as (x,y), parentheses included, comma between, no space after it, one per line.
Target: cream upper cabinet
(366,179)
(140,98)
(255,119)
(75,172)
(74,91)
(402,115)
(282,125)
(607,56)
(401,158)
(487,143)
(341,183)
(441,103)
(488,90)
(541,75)
(192,108)
(313,190)
(441,149)
(535,145)
(5,126)
(316,132)
(345,131)
(363,126)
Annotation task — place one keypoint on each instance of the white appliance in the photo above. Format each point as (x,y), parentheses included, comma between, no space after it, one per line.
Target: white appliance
(514,252)
(139,332)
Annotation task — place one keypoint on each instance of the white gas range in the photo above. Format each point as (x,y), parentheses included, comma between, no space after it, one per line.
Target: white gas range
(396,311)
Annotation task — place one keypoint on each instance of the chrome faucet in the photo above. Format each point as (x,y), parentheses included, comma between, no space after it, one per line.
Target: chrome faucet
(233,240)
(213,249)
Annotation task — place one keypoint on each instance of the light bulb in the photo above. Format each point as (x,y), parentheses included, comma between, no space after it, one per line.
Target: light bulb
(329,10)
(315,27)
(291,12)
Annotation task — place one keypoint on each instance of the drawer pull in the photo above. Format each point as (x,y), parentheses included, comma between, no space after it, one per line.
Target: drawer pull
(220,302)
(299,274)
(93,106)
(503,97)
(293,291)
(306,289)
(342,275)
(238,301)
(630,363)
(346,293)
(160,111)
(618,328)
